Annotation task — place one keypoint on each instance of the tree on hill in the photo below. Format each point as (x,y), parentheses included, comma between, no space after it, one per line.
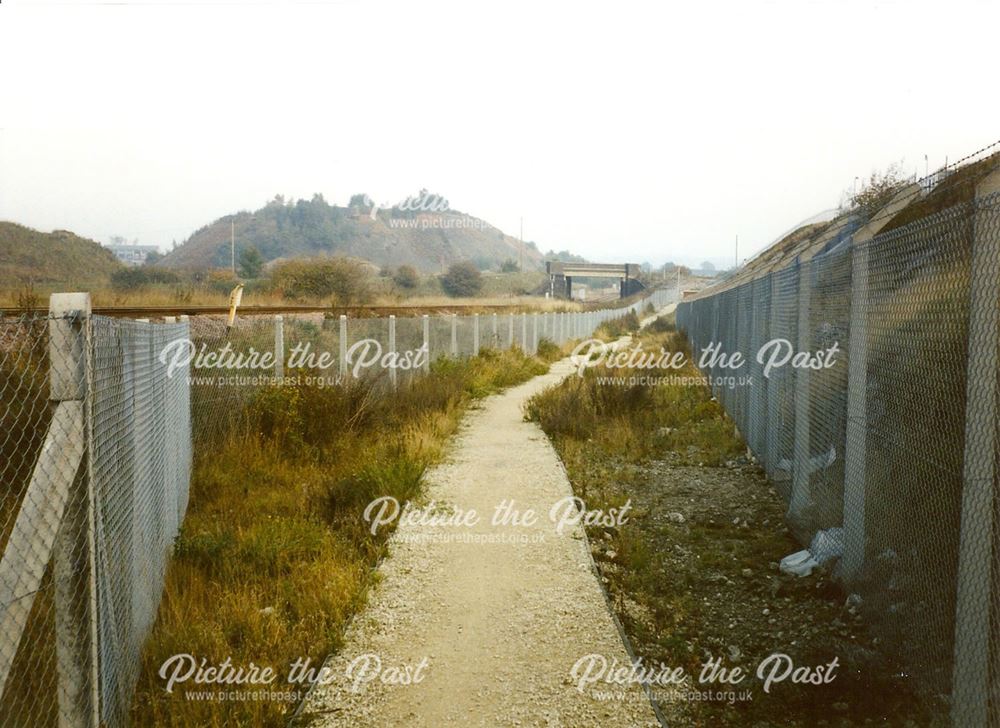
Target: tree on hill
(251,263)
(509,266)
(462,279)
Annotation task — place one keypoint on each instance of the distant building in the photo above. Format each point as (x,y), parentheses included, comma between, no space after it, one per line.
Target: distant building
(132,254)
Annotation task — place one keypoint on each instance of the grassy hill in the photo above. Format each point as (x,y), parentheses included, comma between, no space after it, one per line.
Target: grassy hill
(286,229)
(31,257)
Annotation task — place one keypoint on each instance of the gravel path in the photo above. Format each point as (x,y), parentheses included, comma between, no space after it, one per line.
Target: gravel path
(498,626)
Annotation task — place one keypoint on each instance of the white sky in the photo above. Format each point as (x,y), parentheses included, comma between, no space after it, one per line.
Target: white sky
(617,130)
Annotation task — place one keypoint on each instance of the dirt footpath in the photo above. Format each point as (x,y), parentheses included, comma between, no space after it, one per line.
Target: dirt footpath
(484,621)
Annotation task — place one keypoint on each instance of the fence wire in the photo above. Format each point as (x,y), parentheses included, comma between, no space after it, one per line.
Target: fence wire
(896,443)
(97,420)
(94,476)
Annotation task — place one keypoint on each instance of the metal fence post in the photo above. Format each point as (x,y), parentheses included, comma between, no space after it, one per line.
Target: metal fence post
(475,334)
(427,342)
(279,346)
(392,349)
(74,567)
(454,335)
(977,654)
(342,342)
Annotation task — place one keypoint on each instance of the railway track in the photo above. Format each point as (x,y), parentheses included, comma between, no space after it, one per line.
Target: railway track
(352,311)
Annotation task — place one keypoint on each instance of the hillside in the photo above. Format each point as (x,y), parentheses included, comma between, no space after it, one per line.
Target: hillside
(429,241)
(30,256)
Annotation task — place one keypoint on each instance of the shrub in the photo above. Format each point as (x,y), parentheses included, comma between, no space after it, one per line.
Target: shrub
(345,280)
(130,279)
(617,327)
(406,276)
(462,279)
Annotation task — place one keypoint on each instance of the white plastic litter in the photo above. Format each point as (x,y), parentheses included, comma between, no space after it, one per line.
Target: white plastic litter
(827,545)
(801,563)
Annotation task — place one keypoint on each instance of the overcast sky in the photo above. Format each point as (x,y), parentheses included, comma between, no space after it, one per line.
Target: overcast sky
(640,131)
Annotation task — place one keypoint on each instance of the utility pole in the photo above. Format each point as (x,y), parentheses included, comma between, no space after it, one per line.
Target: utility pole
(232,244)
(520,250)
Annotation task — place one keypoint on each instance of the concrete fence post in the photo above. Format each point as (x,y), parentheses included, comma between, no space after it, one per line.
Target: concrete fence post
(475,334)
(392,350)
(799,503)
(426,320)
(856,445)
(454,335)
(279,347)
(74,568)
(534,332)
(342,345)
(772,403)
(977,652)
(524,332)
(495,341)
(510,331)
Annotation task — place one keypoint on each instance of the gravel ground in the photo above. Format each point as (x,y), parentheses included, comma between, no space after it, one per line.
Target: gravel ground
(500,625)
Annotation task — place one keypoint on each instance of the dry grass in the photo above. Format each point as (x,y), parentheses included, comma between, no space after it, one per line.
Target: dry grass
(693,574)
(274,556)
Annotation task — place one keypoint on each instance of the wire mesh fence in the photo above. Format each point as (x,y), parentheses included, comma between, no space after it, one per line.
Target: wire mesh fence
(96,456)
(97,420)
(892,448)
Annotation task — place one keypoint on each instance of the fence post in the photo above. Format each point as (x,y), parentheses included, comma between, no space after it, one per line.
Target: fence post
(427,343)
(510,331)
(856,444)
(800,498)
(454,335)
(977,654)
(475,334)
(392,349)
(496,333)
(279,347)
(342,345)
(534,333)
(524,332)
(74,568)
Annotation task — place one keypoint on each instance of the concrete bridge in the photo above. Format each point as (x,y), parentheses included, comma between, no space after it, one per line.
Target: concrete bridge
(561,276)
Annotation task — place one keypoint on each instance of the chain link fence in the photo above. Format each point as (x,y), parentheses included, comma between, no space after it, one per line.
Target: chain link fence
(892,448)
(97,420)
(96,445)
(324,350)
